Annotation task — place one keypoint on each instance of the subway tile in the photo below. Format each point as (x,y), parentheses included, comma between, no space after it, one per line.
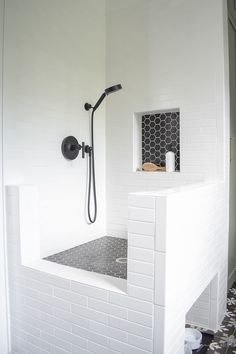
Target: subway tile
(141,214)
(24,290)
(40,343)
(141,241)
(140,318)
(118,334)
(17,332)
(99,349)
(61,351)
(26,310)
(79,350)
(160,259)
(38,305)
(131,303)
(141,343)
(55,281)
(23,345)
(140,267)
(70,338)
(159,320)
(26,327)
(34,322)
(161,211)
(15,278)
(55,302)
(140,280)
(131,327)
(140,293)
(141,201)
(54,322)
(140,254)
(141,228)
(52,280)
(90,335)
(70,318)
(108,308)
(126,348)
(89,291)
(57,340)
(98,327)
(71,296)
(15,349)
(106,330)
(89,313)
(34,284)
(16,300)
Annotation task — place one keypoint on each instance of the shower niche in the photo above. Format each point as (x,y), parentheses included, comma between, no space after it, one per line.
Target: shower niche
(155,134)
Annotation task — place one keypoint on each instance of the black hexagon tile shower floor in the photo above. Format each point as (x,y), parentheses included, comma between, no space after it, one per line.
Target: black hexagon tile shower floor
(106,255)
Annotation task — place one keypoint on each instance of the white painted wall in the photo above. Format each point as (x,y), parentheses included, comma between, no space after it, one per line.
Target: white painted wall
(166,54)
(55,62)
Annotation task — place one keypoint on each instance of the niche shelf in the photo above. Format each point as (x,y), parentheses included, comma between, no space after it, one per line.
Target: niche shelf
(154,133)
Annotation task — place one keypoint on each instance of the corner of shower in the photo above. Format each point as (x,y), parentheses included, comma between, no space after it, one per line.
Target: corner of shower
(101,262)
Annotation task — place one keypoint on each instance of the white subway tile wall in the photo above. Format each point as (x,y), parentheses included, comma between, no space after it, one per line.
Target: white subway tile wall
(158,82)
(54,315)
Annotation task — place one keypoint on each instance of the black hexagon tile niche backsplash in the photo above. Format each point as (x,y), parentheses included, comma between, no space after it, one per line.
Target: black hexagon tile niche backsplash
(161,133)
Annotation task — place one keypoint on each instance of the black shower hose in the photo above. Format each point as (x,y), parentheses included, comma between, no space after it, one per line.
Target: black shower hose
(92,179)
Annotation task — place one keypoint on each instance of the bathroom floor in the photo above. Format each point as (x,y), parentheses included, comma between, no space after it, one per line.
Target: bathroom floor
(224,341)
(105,255)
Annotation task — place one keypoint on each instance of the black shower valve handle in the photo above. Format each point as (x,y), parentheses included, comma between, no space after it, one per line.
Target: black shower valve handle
(86,149)
(70,148)
(77,147)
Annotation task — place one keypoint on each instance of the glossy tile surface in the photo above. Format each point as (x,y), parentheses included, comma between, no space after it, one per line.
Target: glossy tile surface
(105,255)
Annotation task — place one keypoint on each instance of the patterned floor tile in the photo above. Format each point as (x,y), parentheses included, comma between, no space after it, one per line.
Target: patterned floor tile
(231,307)
(223,341)
(230,314)
(231,340)
(231,351)
(232,292)
(217,346)
(227,329)
(105,255)
(231,301)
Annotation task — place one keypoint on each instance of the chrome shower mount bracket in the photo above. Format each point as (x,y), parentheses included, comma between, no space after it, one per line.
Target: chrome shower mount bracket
(70,148)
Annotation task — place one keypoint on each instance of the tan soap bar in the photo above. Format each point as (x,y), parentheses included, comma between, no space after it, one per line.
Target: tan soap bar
(149,166)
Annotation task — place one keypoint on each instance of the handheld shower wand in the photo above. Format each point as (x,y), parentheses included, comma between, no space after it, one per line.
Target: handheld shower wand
(92,174)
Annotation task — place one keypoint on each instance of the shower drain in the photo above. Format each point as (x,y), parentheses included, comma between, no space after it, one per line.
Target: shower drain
(121,260)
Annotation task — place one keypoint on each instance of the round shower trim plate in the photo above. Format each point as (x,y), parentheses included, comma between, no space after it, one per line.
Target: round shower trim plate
(70,148)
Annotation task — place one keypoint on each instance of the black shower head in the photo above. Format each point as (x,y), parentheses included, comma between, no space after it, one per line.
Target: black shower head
(106,92)
(113,89)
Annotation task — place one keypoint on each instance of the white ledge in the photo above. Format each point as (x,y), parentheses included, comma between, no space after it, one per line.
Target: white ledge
(173,190)
(79,275)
